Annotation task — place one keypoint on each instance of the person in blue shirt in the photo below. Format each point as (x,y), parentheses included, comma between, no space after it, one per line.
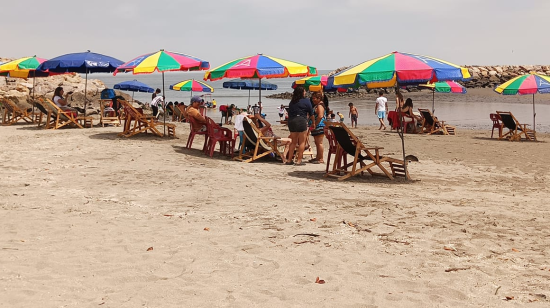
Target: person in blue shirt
(299,111)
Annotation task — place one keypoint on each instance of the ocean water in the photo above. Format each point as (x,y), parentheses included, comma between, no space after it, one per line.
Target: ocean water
(466,111)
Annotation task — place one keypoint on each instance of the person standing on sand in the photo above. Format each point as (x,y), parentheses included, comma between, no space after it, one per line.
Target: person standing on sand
(318,126)
(380,109)
(353,114)
(299,111)
(281,110)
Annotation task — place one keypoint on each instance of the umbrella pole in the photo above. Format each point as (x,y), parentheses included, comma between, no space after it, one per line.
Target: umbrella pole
(133,96)
(33,85)
(85,92)
(248,98)
(401,133)
(534,113)
(260,99)
(164,105)
(433,101)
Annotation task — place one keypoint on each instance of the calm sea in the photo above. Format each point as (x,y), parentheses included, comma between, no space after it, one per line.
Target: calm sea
(463,111)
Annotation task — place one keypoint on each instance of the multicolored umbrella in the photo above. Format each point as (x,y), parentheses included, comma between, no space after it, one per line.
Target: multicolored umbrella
(400,68)
(192,85)
(443,87)
(526,84)
(163,61)
(22,68)
(318,83)
(260,66)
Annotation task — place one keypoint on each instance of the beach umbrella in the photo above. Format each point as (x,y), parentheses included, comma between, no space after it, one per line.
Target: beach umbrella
(443,87)
(163,61)
(260,66)
(133,86)
(318,83)
(249,84)
(400,69)
(192,85)
(24,68)
(526,84)
(81,62)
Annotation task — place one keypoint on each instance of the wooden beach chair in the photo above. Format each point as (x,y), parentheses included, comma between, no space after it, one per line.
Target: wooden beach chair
(332,149)
(176,113)
(107,114)
(60,118)
(218,134)
(515,129)
(48,118)
(431,125)
(136,122)
(258,145)
(13,114)
(364,158)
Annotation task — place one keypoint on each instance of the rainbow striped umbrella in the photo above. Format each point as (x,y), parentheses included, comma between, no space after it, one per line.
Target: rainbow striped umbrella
(318,83)
(21,68)
(443,87)
(526,84)
(260,66)
(192,85)
(400,68)
(163,61)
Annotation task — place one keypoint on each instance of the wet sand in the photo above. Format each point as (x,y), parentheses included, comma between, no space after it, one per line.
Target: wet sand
(93,220)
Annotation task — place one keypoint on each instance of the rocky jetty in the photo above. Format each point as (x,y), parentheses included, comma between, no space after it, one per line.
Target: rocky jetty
(482,77)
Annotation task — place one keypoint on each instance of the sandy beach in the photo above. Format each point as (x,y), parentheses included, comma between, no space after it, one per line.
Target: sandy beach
(93,220)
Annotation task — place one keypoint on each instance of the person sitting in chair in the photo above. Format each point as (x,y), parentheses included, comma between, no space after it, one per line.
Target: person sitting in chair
(408,116)
(268,132)
(193,112)
(62,102)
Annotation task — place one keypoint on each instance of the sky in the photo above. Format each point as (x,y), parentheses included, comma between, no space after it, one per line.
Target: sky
(321,33)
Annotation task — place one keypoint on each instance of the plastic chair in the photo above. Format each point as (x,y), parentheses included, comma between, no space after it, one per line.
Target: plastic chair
(496,123)
(221,135)
(192,134)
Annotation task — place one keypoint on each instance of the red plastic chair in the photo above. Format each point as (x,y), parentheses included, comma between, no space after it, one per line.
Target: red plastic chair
(496,124)
(221,135)
(192,134)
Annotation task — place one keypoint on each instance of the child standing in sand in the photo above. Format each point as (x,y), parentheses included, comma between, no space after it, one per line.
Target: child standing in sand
(353,114)
(380,109)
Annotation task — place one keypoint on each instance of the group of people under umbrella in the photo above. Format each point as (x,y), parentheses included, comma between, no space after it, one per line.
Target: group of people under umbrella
(392,70)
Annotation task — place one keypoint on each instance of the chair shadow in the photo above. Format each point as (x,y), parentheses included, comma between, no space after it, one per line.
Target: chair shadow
(505,140)
(115,136)
(367,178)
(198,153)
(26,126)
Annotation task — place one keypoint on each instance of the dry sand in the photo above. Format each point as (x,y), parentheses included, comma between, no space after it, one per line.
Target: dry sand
(92,220)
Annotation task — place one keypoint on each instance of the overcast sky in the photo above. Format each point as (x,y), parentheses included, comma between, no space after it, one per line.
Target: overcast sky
(322,33)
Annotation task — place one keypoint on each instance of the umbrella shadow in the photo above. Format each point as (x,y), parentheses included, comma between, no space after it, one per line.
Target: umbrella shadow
(505,140)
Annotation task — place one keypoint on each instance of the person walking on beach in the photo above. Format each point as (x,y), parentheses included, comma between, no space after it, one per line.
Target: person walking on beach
(353,114)
(380,109)
(156,104)
(281,110)
(299,111)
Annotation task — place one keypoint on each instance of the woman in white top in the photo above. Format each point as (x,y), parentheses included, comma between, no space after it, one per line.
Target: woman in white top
(60,101)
